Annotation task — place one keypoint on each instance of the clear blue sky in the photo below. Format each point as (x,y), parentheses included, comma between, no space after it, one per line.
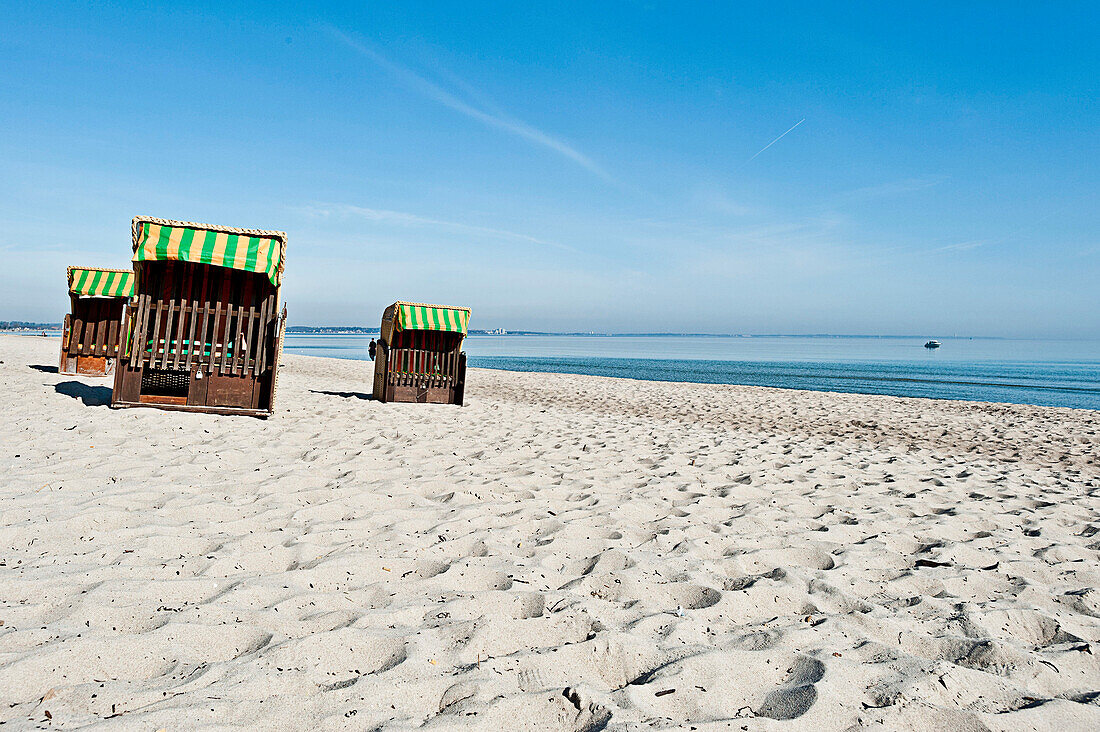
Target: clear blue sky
(581,166)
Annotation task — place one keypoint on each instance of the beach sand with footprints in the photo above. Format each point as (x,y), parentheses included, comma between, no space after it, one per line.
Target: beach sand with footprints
(563,553)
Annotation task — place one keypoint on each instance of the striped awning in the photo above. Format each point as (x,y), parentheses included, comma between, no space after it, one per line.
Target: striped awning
(251,250)
(101,282)
(416,316)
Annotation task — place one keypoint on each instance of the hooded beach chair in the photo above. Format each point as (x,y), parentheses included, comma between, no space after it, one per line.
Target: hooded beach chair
(204,327)
(419,357)
(92,334)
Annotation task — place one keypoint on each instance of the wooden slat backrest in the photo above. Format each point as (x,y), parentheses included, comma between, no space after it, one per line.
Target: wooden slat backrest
(198,319)
(423,366)
(101,326)
(155,314)
(217,339)
(77,333)
(156,304)
(99,345)
(213,340)
(238,341)
(79,328)
(97,323)
(181,324)
(108,319)
(112,337)
(164,319)
(252,341)
(184,315)
(169,321)
(261,338)
(229,288)
(227,331)
(244,328)
(87,338)
(196,313)
(139,343)
(137,332)
(217,275)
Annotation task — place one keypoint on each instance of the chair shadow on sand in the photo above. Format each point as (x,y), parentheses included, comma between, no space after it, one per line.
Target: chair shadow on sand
(92,396)
(344,394)
(44,369)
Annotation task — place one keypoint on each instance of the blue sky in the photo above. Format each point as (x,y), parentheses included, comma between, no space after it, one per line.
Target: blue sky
(577,166)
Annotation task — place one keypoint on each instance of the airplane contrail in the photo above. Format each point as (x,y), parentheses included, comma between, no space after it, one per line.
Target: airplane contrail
(498,120)
(796,124)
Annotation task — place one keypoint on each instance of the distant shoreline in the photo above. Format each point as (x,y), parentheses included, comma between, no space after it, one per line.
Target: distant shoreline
(356,330)
(305,330)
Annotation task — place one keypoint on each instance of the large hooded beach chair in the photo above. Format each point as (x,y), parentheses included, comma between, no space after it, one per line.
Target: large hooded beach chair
(204,327)
(419,357)
(92,334)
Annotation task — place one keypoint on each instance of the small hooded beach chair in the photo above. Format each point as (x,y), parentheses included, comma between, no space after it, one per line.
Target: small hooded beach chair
(92,333)
(419,355)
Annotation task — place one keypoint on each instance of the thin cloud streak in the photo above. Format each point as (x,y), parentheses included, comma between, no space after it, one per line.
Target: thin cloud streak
(893,188)
(796,124)
(408,219)
(961,246)
(504,122)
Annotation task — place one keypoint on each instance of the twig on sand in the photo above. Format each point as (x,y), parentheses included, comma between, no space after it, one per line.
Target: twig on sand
(143,706)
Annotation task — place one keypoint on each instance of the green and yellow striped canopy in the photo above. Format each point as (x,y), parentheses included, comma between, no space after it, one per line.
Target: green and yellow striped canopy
(416,316)
(250,250)
(101,282)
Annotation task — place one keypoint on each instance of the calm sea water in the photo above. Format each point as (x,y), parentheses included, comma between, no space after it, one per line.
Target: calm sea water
(1052,373)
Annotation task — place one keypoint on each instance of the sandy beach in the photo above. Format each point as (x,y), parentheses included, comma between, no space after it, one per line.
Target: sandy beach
(562,553)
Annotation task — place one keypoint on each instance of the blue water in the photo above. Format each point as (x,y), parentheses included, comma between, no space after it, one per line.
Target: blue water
(1052,373)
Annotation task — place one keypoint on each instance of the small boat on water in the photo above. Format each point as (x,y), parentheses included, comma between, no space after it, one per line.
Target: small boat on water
(932,344)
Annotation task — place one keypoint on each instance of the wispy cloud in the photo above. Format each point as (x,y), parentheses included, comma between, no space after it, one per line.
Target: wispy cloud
(796,124)
(894,188)
(480,111)
(961,246)
(401,218)
(713,199)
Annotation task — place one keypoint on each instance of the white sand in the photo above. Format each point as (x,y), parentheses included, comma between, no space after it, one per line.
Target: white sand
(518,563)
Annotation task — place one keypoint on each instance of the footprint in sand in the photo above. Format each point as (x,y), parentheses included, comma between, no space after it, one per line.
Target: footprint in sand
(808,557)
(608,562)
(1024,626)
(797,694)
(688,596)
(756,640)
(451,701)
(337,659)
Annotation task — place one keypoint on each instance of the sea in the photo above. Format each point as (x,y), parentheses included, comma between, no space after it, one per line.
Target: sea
(1056,373)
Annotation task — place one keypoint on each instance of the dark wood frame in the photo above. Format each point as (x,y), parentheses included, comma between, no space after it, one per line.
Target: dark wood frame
(91,336)
(418,366)
(202,338)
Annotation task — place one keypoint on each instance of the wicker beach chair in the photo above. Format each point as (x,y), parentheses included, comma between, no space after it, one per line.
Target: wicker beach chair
(92,332)
(204,327)
(419,357)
